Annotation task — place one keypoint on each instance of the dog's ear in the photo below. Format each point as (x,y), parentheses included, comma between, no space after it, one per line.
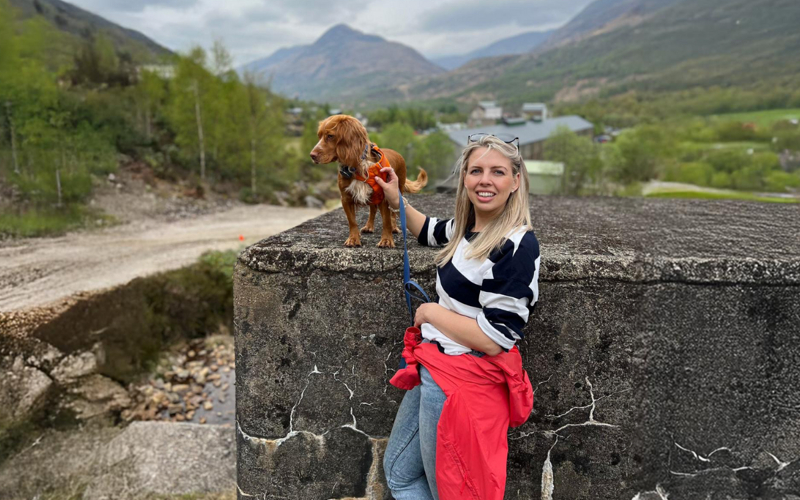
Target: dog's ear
(322,128)
(351,139)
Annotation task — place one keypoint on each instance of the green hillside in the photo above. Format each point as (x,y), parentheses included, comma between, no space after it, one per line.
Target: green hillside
(702,43)
(80,26)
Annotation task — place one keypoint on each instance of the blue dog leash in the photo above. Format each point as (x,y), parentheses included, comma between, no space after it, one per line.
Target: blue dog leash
(409,285)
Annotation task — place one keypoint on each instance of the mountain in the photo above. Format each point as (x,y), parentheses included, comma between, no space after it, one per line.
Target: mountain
(518,44)
(81,25)
(343,65)
(605,15)
(687,44)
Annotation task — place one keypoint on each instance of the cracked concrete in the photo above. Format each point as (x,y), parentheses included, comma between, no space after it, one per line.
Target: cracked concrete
(665,353)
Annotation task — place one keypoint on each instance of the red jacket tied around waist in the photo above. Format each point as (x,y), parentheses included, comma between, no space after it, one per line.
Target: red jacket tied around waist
(484,396)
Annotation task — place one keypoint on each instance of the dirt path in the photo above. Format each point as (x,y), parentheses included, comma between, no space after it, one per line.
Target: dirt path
(36,272)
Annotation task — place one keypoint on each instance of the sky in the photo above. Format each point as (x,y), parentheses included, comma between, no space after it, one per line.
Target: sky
(253,29)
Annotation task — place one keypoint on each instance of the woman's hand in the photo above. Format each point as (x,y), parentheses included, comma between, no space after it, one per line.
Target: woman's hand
(390,187)
(424,312)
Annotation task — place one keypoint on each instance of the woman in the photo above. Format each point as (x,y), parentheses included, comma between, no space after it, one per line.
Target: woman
(487,281)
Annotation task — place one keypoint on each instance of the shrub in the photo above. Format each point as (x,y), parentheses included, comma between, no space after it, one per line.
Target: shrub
(721,180)
(779,181)
(697,173)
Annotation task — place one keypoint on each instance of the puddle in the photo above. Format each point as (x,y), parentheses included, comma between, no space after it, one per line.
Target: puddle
(193,384)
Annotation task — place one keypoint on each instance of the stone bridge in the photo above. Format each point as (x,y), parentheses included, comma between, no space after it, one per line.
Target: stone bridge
(664,351)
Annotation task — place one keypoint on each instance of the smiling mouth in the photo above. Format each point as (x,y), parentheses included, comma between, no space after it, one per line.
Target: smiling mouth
(485,194)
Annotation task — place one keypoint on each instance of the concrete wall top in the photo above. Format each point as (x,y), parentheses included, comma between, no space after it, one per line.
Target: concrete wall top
(627,239)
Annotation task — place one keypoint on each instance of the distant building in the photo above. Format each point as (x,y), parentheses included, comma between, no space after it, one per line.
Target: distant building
(535,111)
(296,111)
(487,113)
(544,177)
(531,134)
(165,71)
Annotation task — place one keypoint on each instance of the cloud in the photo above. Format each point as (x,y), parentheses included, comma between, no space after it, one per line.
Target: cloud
(134,6)
(252,29)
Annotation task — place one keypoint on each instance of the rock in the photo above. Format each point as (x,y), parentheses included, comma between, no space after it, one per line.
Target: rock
(180,388)
(181,376)
(282,197)
(59,461)
(145,460)
(98,396)
(174,409)
(312,202)
(23,389)
(46,360)
(173,398)
(73,367)
(208,406)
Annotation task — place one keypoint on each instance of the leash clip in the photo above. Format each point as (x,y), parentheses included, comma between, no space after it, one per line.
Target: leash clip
(347,172)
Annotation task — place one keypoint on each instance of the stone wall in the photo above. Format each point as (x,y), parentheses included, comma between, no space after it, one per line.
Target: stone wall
(664,350)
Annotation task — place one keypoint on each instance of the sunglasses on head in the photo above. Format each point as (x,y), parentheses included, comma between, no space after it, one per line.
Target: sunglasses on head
(507,138)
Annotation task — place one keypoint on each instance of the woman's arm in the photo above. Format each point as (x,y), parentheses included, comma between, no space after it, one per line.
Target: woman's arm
(456,327)
(414,219)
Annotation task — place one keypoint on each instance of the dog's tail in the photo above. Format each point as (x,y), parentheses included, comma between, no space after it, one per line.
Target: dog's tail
(417,185)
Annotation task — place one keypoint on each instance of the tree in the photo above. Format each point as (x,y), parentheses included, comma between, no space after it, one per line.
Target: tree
(644,150)
(97,63)
(438,155)
(257,120)
(221,59)
(150,93)
(191,89)
(401,138)
(579,155)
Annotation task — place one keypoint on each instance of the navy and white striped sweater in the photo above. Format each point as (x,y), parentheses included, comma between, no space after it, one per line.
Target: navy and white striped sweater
(498,292)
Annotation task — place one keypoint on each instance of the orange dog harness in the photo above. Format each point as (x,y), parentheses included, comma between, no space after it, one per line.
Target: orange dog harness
(375,171)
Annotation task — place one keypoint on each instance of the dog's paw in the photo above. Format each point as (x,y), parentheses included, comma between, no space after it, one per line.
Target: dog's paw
(353,242)
(386,243)
(368,229)
(396,230)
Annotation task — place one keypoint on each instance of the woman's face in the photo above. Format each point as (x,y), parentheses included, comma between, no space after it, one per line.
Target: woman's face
(489,181)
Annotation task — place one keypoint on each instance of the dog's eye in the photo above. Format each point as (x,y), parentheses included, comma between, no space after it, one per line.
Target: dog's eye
(329,137)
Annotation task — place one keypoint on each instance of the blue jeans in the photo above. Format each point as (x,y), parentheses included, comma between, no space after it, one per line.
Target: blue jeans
(410,459)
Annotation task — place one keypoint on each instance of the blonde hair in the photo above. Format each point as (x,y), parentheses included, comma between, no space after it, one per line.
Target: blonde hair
(515,215)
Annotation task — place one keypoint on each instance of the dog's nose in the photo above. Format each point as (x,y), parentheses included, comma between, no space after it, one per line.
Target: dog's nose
(313,157)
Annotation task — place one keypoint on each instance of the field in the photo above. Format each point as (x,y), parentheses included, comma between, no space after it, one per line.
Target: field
(658,189)
(763,118)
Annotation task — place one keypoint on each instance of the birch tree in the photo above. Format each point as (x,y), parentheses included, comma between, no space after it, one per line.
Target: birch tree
(190,89)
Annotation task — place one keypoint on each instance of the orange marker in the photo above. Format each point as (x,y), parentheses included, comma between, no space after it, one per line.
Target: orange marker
(241,238)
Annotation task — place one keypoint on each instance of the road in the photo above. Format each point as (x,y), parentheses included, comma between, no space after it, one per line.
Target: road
(39,271)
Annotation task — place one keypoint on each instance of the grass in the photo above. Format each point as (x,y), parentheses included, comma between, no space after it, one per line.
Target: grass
(710,146)
(732,195)
(763,118)
(293,143)
(50,222)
